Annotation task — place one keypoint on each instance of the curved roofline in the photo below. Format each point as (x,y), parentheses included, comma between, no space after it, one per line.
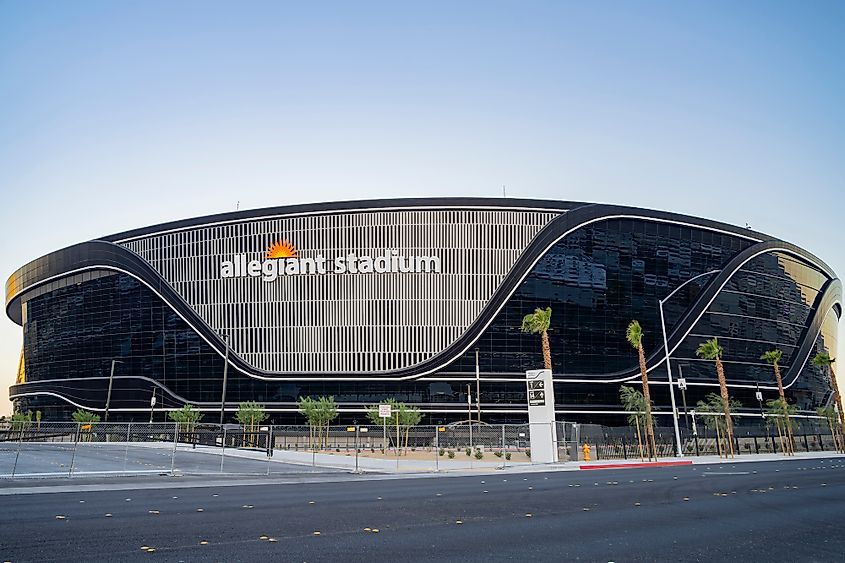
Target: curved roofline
(566,208)
(363,205)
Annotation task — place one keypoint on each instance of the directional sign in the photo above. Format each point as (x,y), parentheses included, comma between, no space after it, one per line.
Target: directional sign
(682,384)
(385,411)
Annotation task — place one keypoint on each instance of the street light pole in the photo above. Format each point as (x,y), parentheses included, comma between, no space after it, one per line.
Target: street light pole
(108,396)
(152,404)
(671,384)
(477,387)
(682,385)
(225,376)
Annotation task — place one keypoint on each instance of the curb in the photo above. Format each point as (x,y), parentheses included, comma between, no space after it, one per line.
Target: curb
(632,465)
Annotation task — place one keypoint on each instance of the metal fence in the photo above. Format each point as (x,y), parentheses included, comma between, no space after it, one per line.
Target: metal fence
(69,449)
(750,438)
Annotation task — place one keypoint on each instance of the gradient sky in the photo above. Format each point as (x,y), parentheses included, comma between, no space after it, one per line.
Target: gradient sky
(115,115)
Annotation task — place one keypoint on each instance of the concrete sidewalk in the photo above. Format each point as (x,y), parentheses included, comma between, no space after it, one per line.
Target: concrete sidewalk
(472,466)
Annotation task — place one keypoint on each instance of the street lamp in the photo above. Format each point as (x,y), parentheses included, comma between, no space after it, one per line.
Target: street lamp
(225,375)
(668,364)
(671,384)
(108,396)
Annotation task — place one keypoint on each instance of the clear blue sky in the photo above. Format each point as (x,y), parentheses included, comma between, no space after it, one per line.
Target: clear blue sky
(116,115)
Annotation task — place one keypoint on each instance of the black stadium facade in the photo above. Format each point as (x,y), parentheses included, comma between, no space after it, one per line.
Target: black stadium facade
(397,298)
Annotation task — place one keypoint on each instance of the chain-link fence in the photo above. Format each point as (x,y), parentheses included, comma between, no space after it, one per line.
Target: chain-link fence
(750,438)
(68,449)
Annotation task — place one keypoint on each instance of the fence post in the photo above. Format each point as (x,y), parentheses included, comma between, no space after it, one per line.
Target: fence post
(436,448)
(756,446)
(17,455)
(624,449)
(356,447)
(175,441)
(223,449)
(806,445)
(126,452)
(270,448)
(504,460)
(821,444)
(75,445)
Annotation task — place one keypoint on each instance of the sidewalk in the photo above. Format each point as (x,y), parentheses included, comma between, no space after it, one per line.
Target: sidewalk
(441,465)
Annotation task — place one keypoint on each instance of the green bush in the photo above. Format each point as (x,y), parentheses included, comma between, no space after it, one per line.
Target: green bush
(479,454)
(508,456)
(442,452)
(468,452)
(451,454)
(497,454)
(528,453)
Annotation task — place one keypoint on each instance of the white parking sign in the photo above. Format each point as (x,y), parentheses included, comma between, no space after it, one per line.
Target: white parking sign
(385,411)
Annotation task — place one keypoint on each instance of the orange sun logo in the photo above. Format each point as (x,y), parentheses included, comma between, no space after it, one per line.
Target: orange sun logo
(281,249)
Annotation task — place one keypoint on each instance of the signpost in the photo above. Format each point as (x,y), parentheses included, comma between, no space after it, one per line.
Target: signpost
(541,416)
(152,405)
(385,412)
(682,385)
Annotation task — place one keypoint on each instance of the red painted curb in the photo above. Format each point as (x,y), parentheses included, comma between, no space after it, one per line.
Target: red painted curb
(641,464)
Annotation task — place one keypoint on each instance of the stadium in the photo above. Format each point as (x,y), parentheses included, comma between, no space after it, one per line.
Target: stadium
(419,300)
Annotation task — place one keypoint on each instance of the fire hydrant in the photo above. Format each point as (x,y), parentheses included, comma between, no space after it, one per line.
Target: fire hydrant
(586,449)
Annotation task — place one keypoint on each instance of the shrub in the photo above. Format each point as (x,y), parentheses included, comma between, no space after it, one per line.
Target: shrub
(497,454)
(528,453)
(508,456)
(479,454)
(441,452)
(468,452)
(451,454)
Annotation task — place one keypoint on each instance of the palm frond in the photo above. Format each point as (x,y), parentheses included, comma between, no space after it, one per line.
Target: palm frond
(772,356)
(634,334)
(822,360)
(709,349)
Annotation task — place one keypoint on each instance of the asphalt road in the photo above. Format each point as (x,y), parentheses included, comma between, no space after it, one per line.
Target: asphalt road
(789,510)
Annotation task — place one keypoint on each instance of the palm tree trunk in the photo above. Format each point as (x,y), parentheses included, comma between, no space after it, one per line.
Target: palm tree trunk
(719,448)
(640,439)
(785,408)
(723,388)
(833,435)
(647,396)
(547,351)
(837,398)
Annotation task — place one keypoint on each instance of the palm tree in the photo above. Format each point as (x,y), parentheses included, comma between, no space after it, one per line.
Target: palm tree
(710,350)
(823,360)
(773,357)
(634,335)
(712,411)
(633,400)
(829,414)
(780,412)
(539,322)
